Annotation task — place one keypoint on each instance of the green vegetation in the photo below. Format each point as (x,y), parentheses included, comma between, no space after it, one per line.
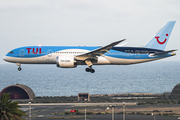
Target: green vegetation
(159,101)
(140,99)
(8,109)
(55,99)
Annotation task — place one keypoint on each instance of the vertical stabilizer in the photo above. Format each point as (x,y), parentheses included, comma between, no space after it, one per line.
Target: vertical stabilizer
(160,40)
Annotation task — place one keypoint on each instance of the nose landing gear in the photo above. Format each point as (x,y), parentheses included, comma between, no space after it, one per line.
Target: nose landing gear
(19,68)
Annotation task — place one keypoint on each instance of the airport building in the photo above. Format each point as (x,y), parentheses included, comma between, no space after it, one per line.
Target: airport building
(176,91)
(19,91)
(83,97)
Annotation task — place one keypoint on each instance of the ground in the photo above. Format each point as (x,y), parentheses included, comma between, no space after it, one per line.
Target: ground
(133,112)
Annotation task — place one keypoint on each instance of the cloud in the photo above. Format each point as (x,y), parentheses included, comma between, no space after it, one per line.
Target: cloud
(10,5)
(83,22)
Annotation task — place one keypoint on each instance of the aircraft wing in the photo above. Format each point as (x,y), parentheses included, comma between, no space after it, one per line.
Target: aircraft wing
(98,52)
(165,52)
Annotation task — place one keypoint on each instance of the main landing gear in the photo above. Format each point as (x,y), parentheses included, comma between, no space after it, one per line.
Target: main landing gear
(19,68)
(90,70)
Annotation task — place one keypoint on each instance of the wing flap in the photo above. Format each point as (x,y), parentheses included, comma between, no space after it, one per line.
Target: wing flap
(98,52)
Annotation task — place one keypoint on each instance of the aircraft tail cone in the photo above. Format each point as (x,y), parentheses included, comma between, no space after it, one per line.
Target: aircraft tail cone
(172,54)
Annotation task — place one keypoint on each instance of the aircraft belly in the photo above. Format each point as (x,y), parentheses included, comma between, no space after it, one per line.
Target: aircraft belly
(35,60)
(102,61)
(120,61)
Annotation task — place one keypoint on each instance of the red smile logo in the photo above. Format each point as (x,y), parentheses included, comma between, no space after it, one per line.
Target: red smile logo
(157,37)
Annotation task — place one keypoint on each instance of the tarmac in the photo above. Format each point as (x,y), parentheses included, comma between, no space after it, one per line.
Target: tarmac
(78,104)
(52,110)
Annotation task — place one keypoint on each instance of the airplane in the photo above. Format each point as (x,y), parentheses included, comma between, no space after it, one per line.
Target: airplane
(71,56)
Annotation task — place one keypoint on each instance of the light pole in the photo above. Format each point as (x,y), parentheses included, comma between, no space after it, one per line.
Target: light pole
(29,110)
(112,113)
(124,110)
(113,106)
(153,116)
(85,113)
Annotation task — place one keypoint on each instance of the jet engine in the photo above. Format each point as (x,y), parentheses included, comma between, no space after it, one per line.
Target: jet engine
(66,62)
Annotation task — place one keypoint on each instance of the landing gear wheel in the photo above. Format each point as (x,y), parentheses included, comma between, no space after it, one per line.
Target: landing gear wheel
(92,70)
(19,68)
(87,69)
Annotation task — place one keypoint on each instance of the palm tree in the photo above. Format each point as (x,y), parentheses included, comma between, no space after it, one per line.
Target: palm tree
(9,110)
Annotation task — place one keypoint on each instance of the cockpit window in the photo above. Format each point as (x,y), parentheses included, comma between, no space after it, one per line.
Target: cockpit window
(11,52)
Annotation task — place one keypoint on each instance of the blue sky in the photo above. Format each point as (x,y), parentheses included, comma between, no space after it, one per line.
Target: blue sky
(85,22)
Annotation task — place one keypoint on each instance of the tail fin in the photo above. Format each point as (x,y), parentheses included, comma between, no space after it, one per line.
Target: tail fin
(160,40)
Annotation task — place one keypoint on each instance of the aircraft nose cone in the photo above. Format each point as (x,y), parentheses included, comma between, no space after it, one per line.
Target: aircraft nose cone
(4,58)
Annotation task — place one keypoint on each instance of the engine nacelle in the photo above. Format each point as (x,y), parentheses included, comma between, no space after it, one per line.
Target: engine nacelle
(65,62)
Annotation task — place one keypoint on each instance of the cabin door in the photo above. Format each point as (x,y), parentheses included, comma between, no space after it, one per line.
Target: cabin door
(137,53)
(21,52)
(49,52)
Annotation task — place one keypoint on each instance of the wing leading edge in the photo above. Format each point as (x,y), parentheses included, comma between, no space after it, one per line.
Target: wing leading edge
(98,52)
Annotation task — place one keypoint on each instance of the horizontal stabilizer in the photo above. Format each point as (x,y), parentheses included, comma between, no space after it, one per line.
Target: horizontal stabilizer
(165,52)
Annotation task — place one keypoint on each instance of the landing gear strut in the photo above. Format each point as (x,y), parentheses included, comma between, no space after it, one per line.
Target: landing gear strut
(19,68)
(90,70)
